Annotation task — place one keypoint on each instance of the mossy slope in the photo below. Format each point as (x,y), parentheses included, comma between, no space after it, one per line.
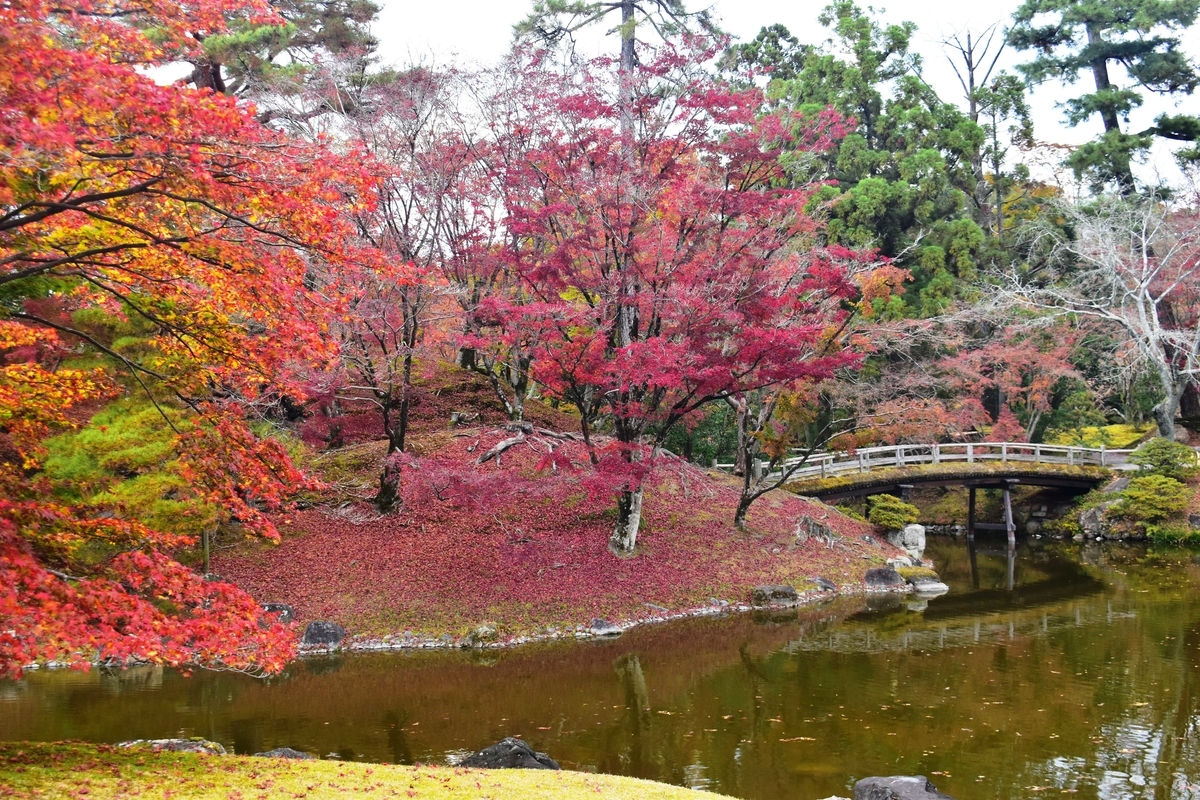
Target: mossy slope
(99,772)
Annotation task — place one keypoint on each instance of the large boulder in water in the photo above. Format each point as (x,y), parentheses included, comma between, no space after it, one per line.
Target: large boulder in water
(883,578)
(898,787)
(509,753)
(602,627)
(322,632)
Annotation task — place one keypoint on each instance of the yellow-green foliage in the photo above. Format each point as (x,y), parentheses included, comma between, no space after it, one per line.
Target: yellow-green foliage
(123,462)
(1152,499)
(913,573)
(37,770)
(1118,437)
(891,513)
(1168,458)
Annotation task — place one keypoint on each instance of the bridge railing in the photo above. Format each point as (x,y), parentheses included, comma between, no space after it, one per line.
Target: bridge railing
(823,465)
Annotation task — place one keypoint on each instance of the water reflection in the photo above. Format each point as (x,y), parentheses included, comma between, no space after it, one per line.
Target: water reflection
(1079,678)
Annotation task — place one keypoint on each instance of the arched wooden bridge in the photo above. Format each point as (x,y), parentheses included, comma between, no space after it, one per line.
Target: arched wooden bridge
(908,455)
(878,470)
(895,469)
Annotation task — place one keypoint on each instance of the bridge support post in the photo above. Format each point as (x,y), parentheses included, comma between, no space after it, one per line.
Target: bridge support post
(1009,525)
(905,488)
(971,515)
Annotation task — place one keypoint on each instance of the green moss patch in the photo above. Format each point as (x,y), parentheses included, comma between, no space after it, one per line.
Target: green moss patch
(98,772)
(916,573)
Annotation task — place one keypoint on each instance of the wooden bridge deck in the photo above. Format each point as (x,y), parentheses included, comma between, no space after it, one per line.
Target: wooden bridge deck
(1003,459)
(862,461)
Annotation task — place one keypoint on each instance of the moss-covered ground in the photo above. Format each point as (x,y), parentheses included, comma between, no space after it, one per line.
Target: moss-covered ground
(100,772)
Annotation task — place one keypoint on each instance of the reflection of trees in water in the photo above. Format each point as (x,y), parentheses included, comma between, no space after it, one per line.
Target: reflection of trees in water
(732,704)
(639,753)
(395,724)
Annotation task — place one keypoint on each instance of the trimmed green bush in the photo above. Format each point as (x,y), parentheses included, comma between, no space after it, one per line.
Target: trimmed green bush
(1167,458)
(891,513)
(1152,499)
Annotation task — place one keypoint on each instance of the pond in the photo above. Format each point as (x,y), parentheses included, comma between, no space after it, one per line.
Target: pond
(1082,677)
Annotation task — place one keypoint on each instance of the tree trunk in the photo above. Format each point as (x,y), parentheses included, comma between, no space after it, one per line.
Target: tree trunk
(1120,166)
(629,520)
(628,63)
(739,516)
(741,461)
(1164,412)
(389,499)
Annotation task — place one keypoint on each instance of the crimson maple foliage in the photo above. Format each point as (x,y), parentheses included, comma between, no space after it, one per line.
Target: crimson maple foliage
(124,199)
(976,382)
(659,264)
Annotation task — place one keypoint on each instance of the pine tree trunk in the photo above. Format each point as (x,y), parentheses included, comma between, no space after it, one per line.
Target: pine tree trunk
(1120,166)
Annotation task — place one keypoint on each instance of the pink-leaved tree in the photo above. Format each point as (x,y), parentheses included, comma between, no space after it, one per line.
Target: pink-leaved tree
(666,270)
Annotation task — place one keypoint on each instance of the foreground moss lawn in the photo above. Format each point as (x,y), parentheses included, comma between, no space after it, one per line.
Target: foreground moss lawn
(39,770)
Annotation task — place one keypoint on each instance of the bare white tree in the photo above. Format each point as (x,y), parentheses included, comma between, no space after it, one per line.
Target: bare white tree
(1133,265)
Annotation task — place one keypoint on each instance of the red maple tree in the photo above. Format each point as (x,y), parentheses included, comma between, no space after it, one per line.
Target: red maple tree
(127,199)
(660,271)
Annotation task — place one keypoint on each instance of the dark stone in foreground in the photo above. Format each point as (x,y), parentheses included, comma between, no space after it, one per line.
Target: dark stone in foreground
(883,576)
(178,746)
(765,595)
(286,613)
(322,632)
(509,753)
(898,787)
(285,752)
(1194,520)
(824,584)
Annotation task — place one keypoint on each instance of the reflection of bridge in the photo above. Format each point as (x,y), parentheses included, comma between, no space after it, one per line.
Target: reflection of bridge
(987,465)
(1063,594)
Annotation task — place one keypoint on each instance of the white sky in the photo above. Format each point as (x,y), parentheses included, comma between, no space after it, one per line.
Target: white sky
(480,31)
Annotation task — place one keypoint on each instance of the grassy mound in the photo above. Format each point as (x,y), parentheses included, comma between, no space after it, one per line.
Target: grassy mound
(98,772)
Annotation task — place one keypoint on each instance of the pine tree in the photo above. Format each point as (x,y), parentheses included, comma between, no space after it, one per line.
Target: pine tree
(1142,37)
